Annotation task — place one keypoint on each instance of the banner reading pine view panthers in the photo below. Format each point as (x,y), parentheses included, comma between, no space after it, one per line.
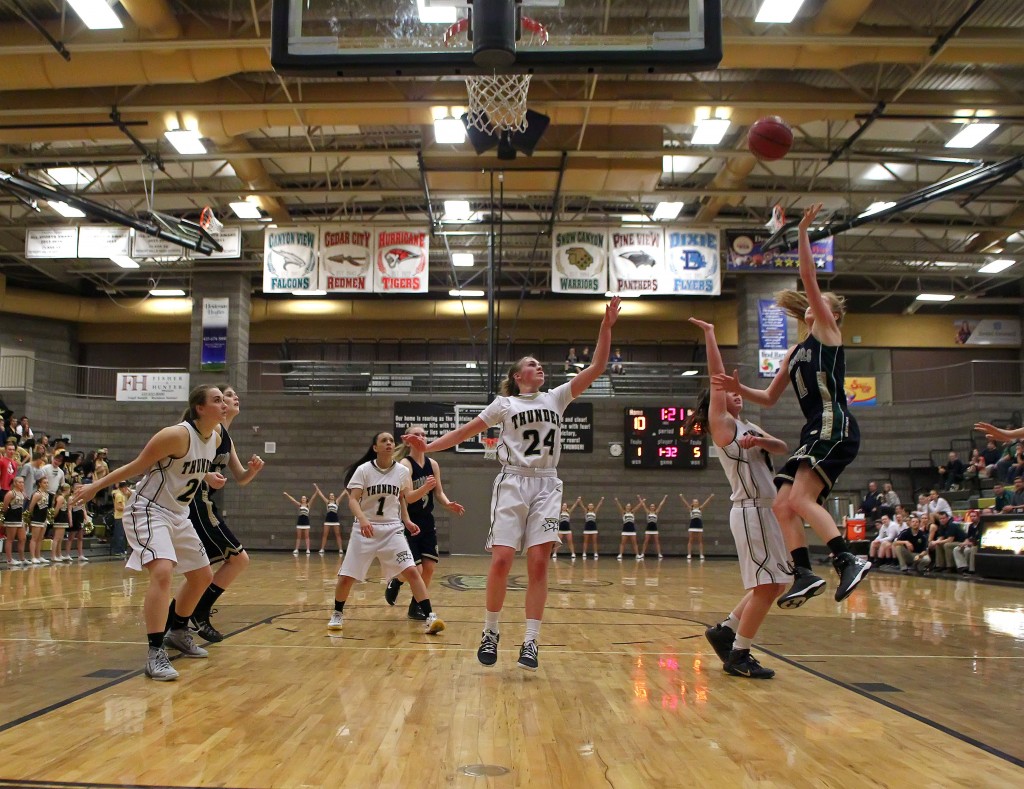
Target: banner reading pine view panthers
(289,259)
(346,258)
(401,260)
(692,262)
(637,260)
(579,260)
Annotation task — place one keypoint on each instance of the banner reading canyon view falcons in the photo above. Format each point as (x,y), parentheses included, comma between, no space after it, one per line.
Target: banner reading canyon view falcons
(637,260)
(346,258)
(289,259)
(579,260)
(401,260)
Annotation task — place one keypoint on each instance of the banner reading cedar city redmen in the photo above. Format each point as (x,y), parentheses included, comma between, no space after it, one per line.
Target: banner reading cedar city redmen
(579,260)
(637,260)
(401,261)
(346,258)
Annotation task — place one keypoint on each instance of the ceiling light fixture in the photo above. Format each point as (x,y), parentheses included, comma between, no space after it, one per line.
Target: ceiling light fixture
(996,266)
(457,210)
(96,14)
(465,294)
(166,292)
(124,261)
(309,292)
(939,297)
(245,210)
(874,208)
(185,141)
(710,131)
(778,12)
(462,259)
(451,131)
(67,176)
(972,134)
(667,210)
(65,210)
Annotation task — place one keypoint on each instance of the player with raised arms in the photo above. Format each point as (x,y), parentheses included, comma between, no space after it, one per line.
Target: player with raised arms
(829,439)
(176,461)
(527,495)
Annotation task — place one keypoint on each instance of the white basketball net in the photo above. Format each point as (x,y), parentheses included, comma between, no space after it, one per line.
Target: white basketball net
(498,102)
(490,448)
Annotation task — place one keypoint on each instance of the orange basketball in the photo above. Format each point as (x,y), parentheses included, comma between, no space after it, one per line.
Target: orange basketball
(770,138)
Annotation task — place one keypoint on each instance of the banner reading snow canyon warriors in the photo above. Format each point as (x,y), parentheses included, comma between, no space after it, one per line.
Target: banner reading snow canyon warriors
(637,260)
(692,263)
(401,261)
(346,258)
(578,260)
(289,259)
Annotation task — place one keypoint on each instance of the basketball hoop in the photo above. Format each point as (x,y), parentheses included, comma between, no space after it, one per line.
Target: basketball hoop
(778,220)
(497,102)
(490,448)
(209,222)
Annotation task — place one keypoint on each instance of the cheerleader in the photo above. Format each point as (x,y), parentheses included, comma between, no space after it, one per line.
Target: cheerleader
(651,532)
(78,519)
(13,511)
(628,529)
(61,521)
(302,523)
(565,527)
(696,524)
(590,526)
(39,509)
(331,521)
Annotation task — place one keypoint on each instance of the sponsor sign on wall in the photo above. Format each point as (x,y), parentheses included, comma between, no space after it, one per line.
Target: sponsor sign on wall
(637,260)
(579,260)
(989,331)
(401,260)
(692,262)
(772,338)
(214,352)
(152,387)
(743,253)
(861,390)
(289,259)
(346,258)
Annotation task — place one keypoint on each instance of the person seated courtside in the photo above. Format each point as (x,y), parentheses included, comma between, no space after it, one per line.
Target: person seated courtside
(911,547)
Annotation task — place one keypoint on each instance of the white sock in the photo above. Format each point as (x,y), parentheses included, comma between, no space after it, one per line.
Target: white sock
(733,622)
(741,642)
(491,621)
(532,630)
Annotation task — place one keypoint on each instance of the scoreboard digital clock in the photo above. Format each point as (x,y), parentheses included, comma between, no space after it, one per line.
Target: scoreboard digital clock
(656,437)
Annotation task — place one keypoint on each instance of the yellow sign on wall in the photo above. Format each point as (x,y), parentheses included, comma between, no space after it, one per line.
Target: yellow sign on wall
(861,390)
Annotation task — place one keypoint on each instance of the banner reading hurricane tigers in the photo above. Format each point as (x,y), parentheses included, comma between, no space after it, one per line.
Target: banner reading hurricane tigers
(637,260)
(289,259)
(692,265)
(579,257)
(346,258)
(401,260)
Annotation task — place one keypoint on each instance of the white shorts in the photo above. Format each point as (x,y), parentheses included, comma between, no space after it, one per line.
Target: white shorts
(157,533)
(388,544)
(524,511)
(762,551)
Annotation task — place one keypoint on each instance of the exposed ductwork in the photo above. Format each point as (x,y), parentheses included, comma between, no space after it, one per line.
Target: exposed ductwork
(154,17)
(984,241)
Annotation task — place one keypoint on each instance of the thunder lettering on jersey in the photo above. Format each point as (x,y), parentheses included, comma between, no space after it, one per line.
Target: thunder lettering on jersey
(749,471)
(531,426)
(173,482)
(382,490)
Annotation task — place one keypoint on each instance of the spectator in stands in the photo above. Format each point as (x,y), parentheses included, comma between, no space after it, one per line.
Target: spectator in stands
(585,356)
(572,362)
(11,429)
(8,468)
(33,471)
(100,469)
(872,504)
(24,431)
(889,501)
(881,546)
(1017,496)
(951,475)
(936,505)
(1003,502)
(991,452)
(615,360)
(911,547)
(922,509)
(977,469)
(118,542)
(945,536)
(963,554)
(1006,460)
(54,473)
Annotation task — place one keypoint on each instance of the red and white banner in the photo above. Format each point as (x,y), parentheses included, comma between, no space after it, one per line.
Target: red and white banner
(346,258)
(401,261)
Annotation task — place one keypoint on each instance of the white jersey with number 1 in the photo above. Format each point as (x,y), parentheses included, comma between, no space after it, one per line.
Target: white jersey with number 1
(173,482)
(381,491)
(531,426)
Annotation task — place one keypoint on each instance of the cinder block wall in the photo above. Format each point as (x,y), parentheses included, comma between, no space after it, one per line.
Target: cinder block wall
(317,437)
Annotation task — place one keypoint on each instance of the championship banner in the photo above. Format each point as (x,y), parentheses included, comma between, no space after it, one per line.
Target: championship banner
(578,260)
(51,242)
(772,338)
(691,262)
(401,261)
(213,355)
(861,390)
(289,259)
(346,259)
(743,253)
(637,261)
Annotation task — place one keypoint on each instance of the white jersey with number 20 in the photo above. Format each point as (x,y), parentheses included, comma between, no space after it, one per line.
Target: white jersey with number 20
(531,426)
(173,482)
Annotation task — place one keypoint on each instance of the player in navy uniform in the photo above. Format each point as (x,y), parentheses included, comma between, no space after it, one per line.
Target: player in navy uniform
(379,488)
(331,520)
(527,494)
(222,546)
(176,460)
(423,545)
(829,439)
(743,452)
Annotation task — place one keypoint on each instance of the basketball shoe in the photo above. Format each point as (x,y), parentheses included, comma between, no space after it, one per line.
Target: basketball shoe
(805,586)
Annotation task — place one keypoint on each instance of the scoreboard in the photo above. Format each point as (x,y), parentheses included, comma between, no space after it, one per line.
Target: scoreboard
(656,437)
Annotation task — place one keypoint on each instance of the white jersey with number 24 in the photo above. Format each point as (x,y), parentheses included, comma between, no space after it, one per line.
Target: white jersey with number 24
(531,426)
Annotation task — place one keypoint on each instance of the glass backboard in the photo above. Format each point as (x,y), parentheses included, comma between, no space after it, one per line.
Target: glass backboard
(339,38)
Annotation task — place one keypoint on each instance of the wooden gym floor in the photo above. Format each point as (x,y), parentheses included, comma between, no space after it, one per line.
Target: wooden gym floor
(913,681)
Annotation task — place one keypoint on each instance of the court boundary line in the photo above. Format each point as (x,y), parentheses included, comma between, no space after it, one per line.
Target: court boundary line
(989,749)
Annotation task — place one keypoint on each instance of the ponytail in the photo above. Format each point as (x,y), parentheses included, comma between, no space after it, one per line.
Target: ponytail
(196,398)
(403,450)
(699,416)
(370,454)
(795,303)
(509,387)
